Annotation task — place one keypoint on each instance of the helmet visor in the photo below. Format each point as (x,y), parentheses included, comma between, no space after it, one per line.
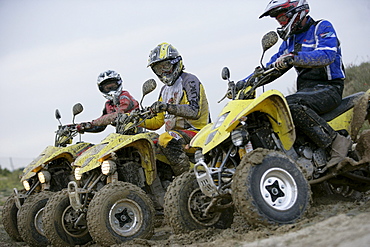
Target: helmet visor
(163,68)
(109,86)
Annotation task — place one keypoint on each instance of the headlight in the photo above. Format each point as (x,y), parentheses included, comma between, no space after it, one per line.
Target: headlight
(210,137)
(198,156)
(44,176)
(218,123)
(26,185)
(77,175)
(108,167)
(239,137)
(220,120)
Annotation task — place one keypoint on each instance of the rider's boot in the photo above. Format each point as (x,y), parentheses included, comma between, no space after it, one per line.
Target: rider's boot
(339,149)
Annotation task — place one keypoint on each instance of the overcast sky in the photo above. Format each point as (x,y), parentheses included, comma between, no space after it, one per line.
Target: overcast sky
(51,53)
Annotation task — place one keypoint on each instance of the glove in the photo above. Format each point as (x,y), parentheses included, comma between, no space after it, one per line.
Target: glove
(83,126)
(258,71)
(158,107)
(284,61)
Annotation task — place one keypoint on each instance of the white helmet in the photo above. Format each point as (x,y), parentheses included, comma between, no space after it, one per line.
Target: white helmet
(294,10)
(110,85)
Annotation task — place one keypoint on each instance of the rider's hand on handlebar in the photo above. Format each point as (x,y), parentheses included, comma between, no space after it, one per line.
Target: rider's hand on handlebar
(284,61)
(258,71)
(158,107)
(83,126)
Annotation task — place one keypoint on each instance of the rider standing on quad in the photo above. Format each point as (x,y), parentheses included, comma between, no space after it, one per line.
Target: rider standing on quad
(182,106)
(110,85)
(313,49)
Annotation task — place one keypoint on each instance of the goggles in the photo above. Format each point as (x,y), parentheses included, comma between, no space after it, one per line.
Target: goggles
(110,85)
(165,67)
(282,18)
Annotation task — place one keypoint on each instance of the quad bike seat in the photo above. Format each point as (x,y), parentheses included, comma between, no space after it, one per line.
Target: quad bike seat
(347,103)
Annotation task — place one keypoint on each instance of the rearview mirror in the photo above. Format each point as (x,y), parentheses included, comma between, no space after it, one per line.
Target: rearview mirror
(225,73)
(57,114)
(77,109)
(269,40)
(149,86)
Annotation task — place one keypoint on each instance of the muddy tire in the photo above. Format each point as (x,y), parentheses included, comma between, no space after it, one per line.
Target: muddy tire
(184,207)
(269,188)
(30,219)
(9,218)
(120,212)
(59,222)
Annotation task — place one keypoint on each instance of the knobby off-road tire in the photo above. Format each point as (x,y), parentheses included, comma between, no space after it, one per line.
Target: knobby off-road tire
(9,218)
(269,188)
(185,203)
(120,212)
(30,219)
(59,219)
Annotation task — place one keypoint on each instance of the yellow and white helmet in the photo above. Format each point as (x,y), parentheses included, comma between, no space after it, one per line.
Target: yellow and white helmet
(166,63)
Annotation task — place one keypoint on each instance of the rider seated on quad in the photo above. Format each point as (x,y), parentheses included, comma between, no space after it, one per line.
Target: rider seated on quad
(313,49)
(182,106)
(110,85)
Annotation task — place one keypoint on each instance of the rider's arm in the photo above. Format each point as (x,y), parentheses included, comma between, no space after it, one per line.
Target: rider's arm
(325,51)
(126,104)
(94,128)
(155,122)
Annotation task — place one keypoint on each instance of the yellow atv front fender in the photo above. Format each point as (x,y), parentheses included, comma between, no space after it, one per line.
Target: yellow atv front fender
(271,102)
(114,142)
(51,153)
(200,138)
(144,144)
(274,104)
(30,170)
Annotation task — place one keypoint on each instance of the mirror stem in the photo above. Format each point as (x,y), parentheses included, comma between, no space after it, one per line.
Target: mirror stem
(263,67)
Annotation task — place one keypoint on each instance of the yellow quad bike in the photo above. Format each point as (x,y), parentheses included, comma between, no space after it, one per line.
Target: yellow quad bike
(49,172)
(252,159)
(119,186)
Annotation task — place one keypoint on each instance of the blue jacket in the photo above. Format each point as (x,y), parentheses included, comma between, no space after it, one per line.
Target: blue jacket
(318,56)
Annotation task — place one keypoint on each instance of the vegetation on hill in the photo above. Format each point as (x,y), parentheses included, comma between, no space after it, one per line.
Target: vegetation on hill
(8,181)
(358,78)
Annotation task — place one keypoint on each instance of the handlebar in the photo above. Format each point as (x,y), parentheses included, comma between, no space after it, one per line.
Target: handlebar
(127,123)
(246,89)
(64,135)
